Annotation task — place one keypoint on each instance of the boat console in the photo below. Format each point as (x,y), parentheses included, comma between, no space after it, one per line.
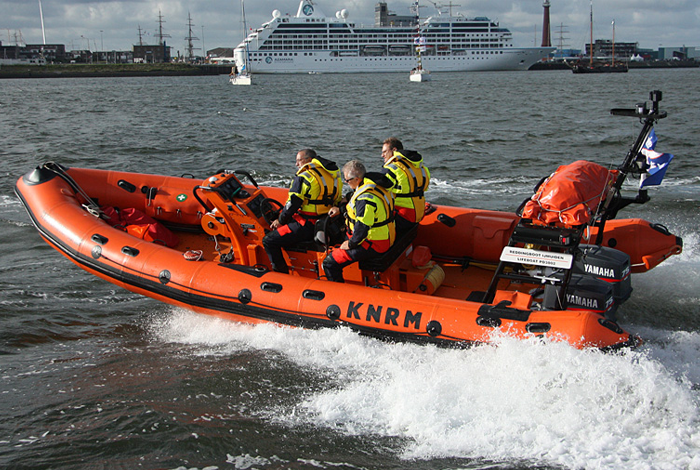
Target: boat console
(236,213)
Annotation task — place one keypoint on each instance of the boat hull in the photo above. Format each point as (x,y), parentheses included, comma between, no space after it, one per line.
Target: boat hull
(512,59)
(241,79)
(423,76)
(246,290)
(602,68)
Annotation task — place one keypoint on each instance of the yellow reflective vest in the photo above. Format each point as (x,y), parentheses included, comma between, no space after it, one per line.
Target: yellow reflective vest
(410,180)
(372,205)
(318,187)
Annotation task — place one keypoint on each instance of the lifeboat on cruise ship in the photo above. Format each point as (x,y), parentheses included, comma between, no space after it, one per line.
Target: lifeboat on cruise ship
(457,278)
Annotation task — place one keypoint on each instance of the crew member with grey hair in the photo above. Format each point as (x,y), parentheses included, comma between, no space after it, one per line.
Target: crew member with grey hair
(369,220)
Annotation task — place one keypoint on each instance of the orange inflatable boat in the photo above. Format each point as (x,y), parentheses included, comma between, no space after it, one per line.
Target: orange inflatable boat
(455,279)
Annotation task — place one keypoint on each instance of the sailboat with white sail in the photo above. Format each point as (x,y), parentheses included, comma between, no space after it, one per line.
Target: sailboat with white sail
(241,75)
(418,73)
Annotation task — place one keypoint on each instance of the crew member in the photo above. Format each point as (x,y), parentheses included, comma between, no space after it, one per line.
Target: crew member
(316,188)
(369,217)
(410,178)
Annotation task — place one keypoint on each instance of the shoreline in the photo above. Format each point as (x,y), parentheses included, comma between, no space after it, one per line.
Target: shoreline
(657,64)
(109,70)
(175,70)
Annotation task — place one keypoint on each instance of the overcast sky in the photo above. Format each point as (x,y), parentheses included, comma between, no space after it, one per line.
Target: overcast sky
(113,24)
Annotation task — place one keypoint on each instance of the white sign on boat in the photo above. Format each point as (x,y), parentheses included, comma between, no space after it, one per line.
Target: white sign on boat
(537,257)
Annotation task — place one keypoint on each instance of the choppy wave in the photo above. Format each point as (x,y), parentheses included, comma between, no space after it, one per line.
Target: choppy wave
(545,403)
(98,376)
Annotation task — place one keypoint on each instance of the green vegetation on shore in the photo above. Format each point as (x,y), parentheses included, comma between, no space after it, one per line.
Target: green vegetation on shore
(105,70)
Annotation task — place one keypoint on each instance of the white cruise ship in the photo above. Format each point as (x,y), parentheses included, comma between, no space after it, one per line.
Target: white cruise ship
(311,42)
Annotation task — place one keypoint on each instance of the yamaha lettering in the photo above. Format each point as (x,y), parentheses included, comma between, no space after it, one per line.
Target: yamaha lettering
(586,302)
(599,271)
(380,314)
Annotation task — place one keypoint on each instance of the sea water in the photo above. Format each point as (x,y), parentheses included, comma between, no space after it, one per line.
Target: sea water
(97,377)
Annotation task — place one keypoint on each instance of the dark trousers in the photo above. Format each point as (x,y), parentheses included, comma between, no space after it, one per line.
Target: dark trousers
(403,226)
(335,262)
(286,235)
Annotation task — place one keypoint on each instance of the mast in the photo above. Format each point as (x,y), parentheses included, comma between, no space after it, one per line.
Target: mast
(190,38)
(245,37)
(591,51)
(562,38)
(41,14)
(161,35)
(419,39)
(613,44)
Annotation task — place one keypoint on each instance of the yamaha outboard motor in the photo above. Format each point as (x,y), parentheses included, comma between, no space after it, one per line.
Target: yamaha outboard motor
(583,293)
(594,295)
(600,281)
(609,265)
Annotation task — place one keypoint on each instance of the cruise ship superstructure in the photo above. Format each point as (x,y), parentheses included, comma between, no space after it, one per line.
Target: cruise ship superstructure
(311,42)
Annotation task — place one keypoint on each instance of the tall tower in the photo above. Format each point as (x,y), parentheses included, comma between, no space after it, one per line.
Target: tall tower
(546,34)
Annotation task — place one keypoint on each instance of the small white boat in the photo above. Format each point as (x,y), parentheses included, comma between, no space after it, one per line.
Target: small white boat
(242,75)
(420,75)
(242,78)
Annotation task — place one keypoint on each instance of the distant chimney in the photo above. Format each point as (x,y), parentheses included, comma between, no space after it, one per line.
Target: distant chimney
(546,35)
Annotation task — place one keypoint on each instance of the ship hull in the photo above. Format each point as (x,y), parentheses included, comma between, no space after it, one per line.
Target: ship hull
(329,62)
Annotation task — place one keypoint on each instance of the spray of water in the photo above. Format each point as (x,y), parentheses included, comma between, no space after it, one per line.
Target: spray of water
(542,402)
(512,400)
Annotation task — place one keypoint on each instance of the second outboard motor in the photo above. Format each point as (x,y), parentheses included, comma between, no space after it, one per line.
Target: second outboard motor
(609,265)
(589,293)
(584,293)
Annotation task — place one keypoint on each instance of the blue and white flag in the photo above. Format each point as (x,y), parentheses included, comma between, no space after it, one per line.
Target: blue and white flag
(657,162)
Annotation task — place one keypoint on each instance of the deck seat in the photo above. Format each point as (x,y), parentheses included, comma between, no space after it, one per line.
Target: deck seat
(308,245)
(334,228)
(388,258)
